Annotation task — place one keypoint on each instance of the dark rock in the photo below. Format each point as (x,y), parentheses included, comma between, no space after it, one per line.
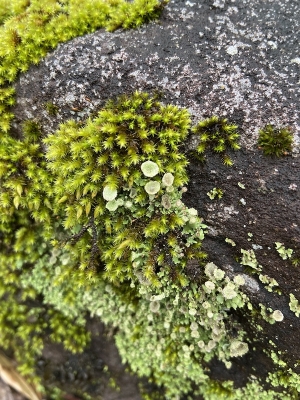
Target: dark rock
(185,57)
(91,371)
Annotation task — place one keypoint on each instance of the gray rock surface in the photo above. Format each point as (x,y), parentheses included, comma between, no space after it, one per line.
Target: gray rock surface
(6,393)
(233,58)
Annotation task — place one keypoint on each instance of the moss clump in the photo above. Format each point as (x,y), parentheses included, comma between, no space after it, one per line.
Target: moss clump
(32,130)
(275,141)
(218,135)
(24,319)
(51,109)
(83,227)
(28,30)
(99,167)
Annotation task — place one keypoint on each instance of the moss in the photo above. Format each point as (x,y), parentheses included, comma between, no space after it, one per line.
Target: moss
(32,130)
(125,262)
(28,30)
(218,135)
(104,161)
(63,241)
(23,319)
(51,109)
(275,141)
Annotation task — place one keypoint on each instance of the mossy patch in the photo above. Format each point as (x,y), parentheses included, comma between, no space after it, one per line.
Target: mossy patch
(113,237)
(275,141)
(86,227)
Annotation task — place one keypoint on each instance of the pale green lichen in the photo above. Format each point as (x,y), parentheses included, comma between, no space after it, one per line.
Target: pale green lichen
(168,179)
(294,305)
(215,193)
(249,259)
(269,282)
(152,187)
(149,169)
(282,251)
(269,315)
(109,194)
(277,315)
(112,205)
(239,280)
(230,241)
(238,348)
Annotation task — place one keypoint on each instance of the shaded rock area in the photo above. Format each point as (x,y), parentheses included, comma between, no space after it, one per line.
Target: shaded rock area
(97,371)
(268,214)
(232,58)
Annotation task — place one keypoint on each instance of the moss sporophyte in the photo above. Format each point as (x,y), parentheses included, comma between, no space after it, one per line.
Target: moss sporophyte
(92,221)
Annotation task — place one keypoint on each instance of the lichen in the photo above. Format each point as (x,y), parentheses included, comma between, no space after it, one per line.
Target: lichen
(294,305)
(215,193)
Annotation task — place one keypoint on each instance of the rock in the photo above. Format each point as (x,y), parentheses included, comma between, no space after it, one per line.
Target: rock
(93,371)
(7,394)
(235,59)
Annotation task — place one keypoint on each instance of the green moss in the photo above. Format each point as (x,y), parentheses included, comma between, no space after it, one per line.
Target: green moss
(23,320)
(51,109)
(105,156)
(275,141)
(217,134)
(32,130)
(65,242)
(29,29)
(108,150)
